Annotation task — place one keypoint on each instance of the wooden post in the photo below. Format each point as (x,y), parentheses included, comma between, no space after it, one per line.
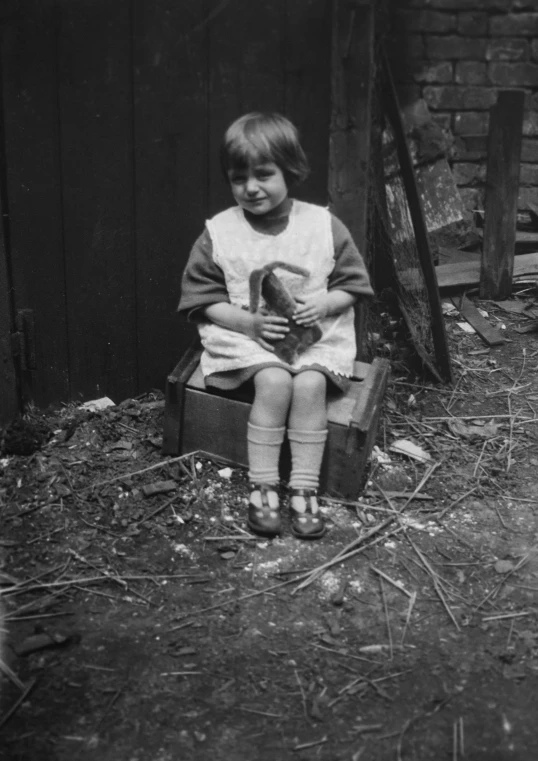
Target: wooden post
(351,102)
(502,184)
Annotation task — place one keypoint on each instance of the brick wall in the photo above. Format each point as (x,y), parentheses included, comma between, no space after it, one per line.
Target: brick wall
(456,55)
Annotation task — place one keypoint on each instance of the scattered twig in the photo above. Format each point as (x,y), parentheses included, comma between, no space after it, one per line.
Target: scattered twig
(303,696)
(507,615)
(312,744)
(138,472)
(261,713)
(157,510)
(387,619)
(5,718)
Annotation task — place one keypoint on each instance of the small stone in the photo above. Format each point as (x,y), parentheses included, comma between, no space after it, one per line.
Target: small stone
(504,566)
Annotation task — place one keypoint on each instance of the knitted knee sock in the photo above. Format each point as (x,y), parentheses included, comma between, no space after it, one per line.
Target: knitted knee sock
(306,455)
(264,446)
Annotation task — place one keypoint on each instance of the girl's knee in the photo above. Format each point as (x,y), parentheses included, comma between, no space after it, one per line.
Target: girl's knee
(310,383)
(273,380)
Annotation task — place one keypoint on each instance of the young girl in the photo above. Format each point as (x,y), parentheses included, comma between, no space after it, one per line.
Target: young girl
(262,160)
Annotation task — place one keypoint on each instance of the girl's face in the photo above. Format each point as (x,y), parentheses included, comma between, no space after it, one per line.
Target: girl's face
(258,188)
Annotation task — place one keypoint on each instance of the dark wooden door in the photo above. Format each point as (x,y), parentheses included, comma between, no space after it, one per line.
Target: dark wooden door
(8,380)
(114,112)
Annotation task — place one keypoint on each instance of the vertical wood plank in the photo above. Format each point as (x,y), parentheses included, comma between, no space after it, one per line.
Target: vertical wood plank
(9,401)
(95,100)
(352,76)
(246,70)
(307,87)
(502,185)
(32,141)
(170,85)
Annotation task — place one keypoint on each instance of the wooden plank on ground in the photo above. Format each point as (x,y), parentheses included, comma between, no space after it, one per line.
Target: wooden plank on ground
(170,115)
(502,186)
(95,99)
(468,273)
(490,335)
(33,166)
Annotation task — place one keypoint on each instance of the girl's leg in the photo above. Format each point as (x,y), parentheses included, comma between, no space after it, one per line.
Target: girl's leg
(266,428)
(307,434)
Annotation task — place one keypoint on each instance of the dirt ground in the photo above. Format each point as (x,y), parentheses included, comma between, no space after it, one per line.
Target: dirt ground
(147,624)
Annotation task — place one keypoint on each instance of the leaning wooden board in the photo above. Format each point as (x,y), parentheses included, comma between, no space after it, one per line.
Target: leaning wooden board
(201,420)
(468,273)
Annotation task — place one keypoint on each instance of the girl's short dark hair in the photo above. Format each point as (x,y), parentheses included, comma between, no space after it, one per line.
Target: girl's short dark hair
(259,137)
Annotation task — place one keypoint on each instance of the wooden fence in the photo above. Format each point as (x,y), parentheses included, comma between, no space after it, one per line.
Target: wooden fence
(111,117)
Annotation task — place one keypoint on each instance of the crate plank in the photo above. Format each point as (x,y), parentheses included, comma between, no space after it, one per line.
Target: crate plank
(214,422)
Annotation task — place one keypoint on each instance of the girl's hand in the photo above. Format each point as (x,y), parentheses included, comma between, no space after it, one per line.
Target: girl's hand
(311,310)
(263,327)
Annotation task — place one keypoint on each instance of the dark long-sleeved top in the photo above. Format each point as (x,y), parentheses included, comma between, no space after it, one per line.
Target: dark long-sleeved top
(203,280)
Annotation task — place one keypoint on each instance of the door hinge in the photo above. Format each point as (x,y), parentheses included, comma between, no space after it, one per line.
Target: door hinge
(23,339)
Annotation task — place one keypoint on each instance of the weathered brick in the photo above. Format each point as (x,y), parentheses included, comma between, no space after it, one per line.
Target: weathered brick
(530,124)
(444,120)
(471,123)
(469,173)
(471,148)
(470,5)
(459,98)
(528,174)
(472,198)
(504,49)
(442,72)
(455,47)
(515,25)
(529,150)
(534,50)
(426,21)
(471,73)
(526,195)
(523,5)
(473,24)
(531,101)
(513,74)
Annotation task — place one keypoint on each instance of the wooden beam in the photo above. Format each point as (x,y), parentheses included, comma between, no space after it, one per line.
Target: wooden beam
(502,185)
(468,273)
(352,80)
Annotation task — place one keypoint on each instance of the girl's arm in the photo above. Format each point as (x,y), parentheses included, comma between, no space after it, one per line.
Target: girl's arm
(348,281)
(317,307)
(259,326)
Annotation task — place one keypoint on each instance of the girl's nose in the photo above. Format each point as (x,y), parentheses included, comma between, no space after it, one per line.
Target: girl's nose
(251,186)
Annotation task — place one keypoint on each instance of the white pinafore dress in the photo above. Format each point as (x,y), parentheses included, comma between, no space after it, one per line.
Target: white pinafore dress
(238,249)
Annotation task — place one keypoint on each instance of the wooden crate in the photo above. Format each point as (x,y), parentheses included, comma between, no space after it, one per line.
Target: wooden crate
(215,422)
